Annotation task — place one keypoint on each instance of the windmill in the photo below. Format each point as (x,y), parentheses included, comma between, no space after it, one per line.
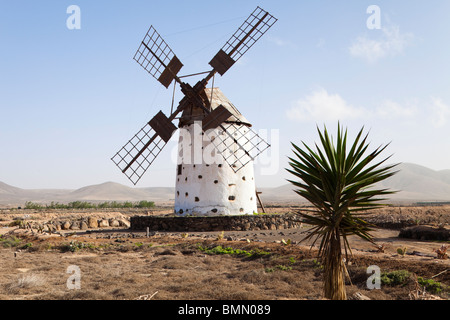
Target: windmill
(224,186)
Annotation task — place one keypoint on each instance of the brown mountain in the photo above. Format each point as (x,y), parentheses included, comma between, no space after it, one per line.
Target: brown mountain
(415,183)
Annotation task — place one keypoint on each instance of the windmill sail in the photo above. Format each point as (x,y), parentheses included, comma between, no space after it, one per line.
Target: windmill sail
(242,40)
(139,153)
(156,57)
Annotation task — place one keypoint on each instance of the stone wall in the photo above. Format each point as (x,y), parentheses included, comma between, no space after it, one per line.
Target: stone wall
(425,233)
(85,223)
(217,223)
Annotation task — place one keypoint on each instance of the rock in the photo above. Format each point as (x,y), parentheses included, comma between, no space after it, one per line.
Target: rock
(92,223)
(65,225)
(84,225)
(103,223)
(114,223)
(359,296)
(124,223)
(75,225)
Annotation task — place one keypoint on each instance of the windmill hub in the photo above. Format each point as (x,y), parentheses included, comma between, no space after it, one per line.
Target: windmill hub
(226,185)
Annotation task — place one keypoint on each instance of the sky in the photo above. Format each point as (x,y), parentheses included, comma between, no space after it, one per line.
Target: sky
(71,94)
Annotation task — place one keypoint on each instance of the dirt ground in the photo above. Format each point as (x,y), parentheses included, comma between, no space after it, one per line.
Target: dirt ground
(118,264)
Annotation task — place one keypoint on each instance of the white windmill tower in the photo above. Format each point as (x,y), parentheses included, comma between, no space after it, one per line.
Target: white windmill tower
(217,146)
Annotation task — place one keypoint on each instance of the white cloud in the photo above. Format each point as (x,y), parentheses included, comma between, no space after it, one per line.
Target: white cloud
(440,112)
(391,109)
(391,43)
(322,106)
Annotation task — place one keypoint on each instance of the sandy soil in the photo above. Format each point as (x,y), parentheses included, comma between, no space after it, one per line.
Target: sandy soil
(120,264)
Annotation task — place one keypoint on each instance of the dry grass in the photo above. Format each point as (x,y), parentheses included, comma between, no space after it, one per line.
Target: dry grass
(172,267)
(24,282)
(175,271)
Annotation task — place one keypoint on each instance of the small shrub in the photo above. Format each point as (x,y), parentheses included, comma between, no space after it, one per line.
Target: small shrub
(442,252)
(145,204)
(32,205)
(17,223)
(220,236)
(231,251)
(401,251)
(10,241)
(317,264)
(283,267)
(430,285)
(27,245)
(25,281)
(74,246)
(394,278)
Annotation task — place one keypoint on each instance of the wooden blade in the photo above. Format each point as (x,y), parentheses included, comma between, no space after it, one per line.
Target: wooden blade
(139,153)
(242,40)
(156,57)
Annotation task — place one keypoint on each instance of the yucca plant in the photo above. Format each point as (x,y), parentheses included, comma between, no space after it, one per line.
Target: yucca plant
(340,185)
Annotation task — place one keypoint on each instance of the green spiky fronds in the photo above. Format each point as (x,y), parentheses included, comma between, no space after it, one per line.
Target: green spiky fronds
(340,184)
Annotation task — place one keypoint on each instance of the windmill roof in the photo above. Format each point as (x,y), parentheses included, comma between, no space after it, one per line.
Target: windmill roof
(216,98)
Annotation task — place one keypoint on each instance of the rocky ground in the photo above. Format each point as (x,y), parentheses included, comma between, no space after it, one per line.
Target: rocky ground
(116,263)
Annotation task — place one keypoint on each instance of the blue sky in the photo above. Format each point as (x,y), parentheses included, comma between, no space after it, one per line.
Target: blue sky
(69,99)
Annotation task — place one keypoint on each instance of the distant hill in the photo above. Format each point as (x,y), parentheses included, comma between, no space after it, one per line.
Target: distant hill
(415,183)
(420,183)
(108,191)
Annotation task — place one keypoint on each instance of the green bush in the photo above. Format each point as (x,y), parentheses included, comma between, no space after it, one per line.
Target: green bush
(32,205)
(430,285)
(9,241)
(395,278)
(16,223)
(74,246)
(231,251)
(89,205)
(145,204)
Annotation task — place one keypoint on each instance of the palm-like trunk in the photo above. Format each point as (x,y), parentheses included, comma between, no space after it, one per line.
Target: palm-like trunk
(334,284)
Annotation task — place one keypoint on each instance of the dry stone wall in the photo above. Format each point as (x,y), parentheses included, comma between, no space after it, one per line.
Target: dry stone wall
(216,223)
